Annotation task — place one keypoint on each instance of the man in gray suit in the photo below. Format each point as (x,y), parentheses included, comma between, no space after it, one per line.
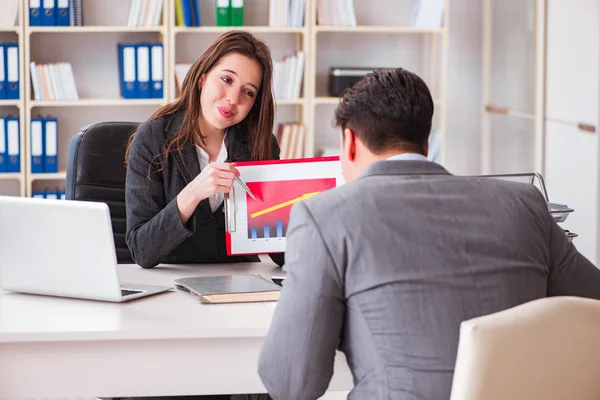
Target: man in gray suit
(387,266)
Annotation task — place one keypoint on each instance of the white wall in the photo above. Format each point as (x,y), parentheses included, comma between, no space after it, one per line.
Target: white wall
(464,89)
(573,40)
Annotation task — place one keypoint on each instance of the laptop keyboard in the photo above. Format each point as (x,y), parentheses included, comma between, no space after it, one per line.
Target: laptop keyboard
(126,292)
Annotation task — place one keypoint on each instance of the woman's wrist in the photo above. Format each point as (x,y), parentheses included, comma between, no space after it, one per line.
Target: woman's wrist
(187,201)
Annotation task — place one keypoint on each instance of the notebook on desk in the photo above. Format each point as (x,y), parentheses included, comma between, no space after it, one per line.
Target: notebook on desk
(230,289)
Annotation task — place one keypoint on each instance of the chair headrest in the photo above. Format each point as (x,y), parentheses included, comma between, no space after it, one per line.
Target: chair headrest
(97,154)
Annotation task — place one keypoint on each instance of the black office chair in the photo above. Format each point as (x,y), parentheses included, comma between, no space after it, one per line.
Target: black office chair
(96,172)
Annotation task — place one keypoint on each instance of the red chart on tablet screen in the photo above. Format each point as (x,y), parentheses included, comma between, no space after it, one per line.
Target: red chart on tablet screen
(268,215)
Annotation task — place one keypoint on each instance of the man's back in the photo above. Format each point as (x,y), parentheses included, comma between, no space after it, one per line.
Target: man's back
(416,252)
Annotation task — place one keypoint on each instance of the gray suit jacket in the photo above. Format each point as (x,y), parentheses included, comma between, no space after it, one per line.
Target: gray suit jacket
(387,267)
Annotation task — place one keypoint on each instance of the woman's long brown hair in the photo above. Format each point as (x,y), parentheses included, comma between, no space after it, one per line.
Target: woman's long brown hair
(258,122)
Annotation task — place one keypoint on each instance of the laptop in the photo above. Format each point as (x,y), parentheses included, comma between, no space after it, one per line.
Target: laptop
(61,248)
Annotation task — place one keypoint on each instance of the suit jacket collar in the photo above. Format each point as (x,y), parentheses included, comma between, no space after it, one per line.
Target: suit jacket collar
(403,167)
(186,159)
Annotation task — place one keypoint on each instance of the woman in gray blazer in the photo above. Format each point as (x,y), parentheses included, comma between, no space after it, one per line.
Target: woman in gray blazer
(182,160)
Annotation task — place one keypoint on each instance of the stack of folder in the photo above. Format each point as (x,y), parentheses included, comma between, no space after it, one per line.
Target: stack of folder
(10,145)
(145,13)
(287,76)
(44,145)
(230,12)
(141,69)
(9,71)
(291,137)
(53,82)
(286,13)
(336,12)
(51,12)
(49,194)
(187,13)
(76,12)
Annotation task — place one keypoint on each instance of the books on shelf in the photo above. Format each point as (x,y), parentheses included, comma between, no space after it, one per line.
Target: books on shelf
(55,12)
(10,144)
(53,82)
(49,193)
(291,138)
(286,13)
(287,76)
(187,13)
(10,13)
(43,139)
(141,70)
(9,71)
(336,12)
(145,13)
(428,14)
(229,12)
(76,12)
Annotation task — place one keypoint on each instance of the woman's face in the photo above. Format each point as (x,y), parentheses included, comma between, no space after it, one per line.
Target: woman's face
(229,90)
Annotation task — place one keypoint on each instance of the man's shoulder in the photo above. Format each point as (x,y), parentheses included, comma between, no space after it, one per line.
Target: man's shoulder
(334,199)
(525,191)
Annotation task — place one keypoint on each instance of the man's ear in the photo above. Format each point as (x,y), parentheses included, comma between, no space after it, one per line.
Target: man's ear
(349,144)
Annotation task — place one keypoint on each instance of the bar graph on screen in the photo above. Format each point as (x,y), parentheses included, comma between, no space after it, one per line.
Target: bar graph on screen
(268,216)
(260,226)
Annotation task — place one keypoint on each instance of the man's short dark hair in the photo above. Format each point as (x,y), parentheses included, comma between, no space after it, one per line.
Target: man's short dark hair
(388,109)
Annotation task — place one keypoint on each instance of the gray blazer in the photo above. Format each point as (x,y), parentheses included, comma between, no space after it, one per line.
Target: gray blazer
(155,233)
(387,267)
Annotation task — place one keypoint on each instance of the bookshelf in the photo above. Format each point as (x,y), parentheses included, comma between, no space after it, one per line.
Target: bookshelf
(92,51)
(423,51)
(187,43)
(14,184)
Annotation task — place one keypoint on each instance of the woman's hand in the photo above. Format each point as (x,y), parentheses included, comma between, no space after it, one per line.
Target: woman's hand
(215,178)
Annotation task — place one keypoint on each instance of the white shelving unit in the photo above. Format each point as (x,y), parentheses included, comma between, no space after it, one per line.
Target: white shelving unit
(92,51)
(14,184)
(423,51)
(186,44)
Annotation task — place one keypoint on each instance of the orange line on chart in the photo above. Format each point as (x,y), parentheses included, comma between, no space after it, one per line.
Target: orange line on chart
(281,205)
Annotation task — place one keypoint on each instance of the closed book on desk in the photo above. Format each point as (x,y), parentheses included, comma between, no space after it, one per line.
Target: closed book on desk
(230,289)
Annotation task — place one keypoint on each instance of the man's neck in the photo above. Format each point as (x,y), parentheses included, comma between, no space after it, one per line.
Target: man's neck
(391,153)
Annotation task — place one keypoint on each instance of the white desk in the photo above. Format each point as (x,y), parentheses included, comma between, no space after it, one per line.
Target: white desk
(161,345)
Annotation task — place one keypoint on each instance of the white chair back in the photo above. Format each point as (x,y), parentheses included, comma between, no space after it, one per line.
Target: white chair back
(547,349)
